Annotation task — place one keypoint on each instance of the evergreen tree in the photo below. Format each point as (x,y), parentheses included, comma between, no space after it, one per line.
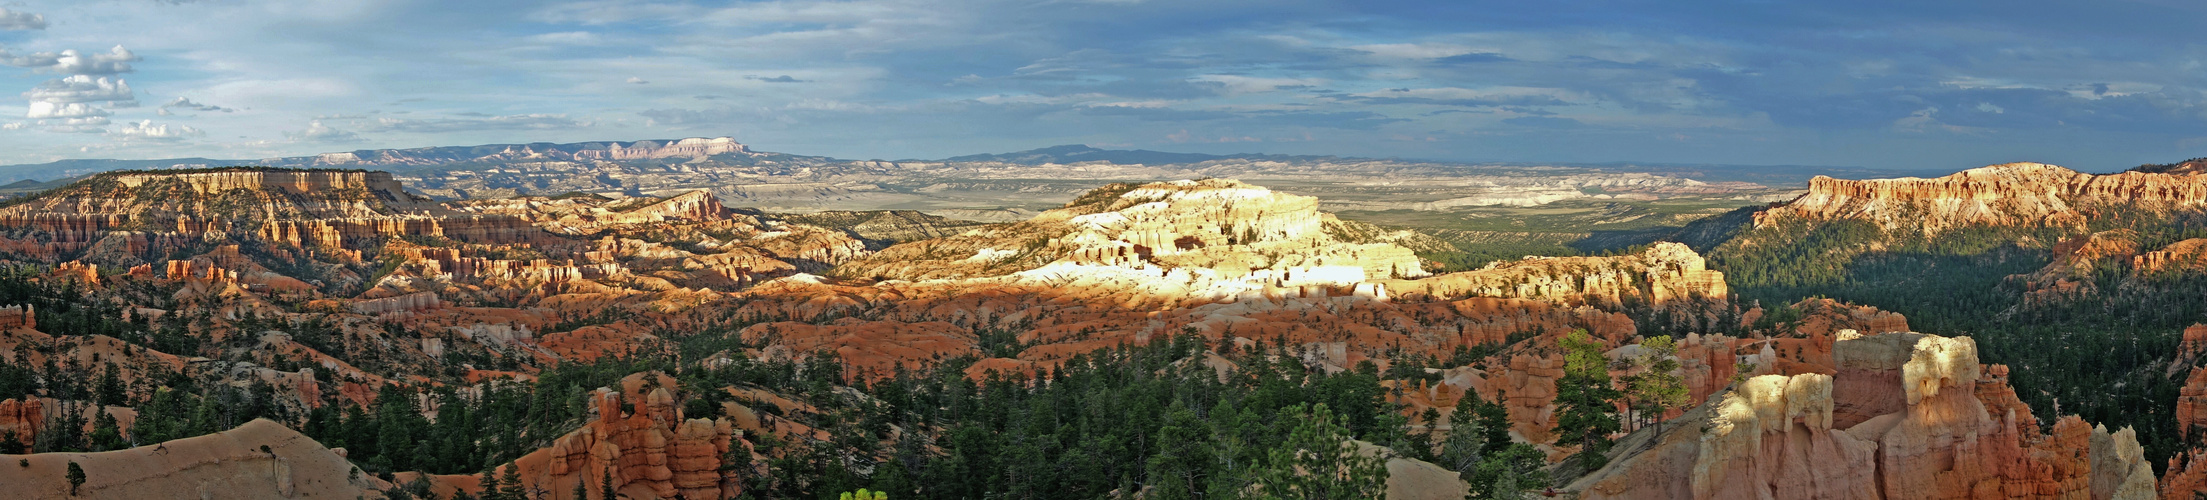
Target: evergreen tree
(108,388)
(64,433)
(510,481)
(75,477)
(10,444)
(1494,421)
(1420,446)
(1657,388)
(1466,441)
(162,418)
(494,488)
(1317,461)
(1584,398)
(606,490)
(1509,474)
(1181,469)
(399,425)
(205,419)
(106,433)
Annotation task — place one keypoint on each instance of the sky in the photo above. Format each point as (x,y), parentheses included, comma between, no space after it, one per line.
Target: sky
(1911,84)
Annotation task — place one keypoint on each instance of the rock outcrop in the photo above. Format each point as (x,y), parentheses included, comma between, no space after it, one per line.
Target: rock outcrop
(1231,230)
(2014,194)
(1663,274)
(1906,415)
(259,460)
(640,438)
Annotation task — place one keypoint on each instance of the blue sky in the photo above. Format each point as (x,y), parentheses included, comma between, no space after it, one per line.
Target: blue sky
(1901,84)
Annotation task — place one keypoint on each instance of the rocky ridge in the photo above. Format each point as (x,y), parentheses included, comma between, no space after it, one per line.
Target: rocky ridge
(2014,194)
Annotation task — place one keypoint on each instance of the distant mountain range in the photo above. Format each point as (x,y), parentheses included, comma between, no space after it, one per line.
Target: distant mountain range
(727,151)
(1076,153)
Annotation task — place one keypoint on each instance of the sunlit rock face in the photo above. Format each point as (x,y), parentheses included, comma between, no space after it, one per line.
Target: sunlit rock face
(1662,274)
(1945,427)
(2014,194)
(638,438)
(1215,228)
(123,218)
(258,460)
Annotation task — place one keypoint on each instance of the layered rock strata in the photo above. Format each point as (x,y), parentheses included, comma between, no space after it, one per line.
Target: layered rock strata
(1906,415)
(651,451)
(2014,194)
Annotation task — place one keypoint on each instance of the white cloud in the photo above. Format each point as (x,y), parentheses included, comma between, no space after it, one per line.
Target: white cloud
(116,60)
(71,62)
(611,11)
(1414,50)
(507,122)
(318,132)
(567,38)
(88,125)
(1459,96)
(638,81)
(12,20)
(81,88)
(146,130)
(35,60)
(15,126)
(186,103)
(1237,84)
(46,110)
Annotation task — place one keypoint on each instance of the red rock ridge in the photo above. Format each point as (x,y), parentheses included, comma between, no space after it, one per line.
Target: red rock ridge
(2014,194)
(651,452)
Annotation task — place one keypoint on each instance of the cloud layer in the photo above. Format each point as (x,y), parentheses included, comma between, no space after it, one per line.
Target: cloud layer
(1884,83)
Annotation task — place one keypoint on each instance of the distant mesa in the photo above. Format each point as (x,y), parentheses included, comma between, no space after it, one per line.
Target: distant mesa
(2193,166)
(695,147)
(1077,153)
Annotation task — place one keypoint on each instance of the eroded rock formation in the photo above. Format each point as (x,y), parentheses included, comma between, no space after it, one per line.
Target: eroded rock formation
(259,460)
(2014,194)
(640,438)
(1906,415)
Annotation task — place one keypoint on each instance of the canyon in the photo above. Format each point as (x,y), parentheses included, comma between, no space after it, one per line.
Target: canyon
(332,288)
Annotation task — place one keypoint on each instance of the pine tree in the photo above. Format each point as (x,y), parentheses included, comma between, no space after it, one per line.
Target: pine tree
(1657,389)
(76,477)
(606,491)
(510,482)
(205,419)
(108,388)
(162,418)
(1421,441)
(1494,421)
(1464,446)
(1317,461)
(1585,399)
(65,433)
(1509,473)
(1182,466)
(493,487)
(106,433)
(10,444)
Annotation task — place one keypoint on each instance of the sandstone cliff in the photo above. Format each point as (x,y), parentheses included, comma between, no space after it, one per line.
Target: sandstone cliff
(261,459)
(1906,415)
(2015,194)
(652,452)
(1231,229)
